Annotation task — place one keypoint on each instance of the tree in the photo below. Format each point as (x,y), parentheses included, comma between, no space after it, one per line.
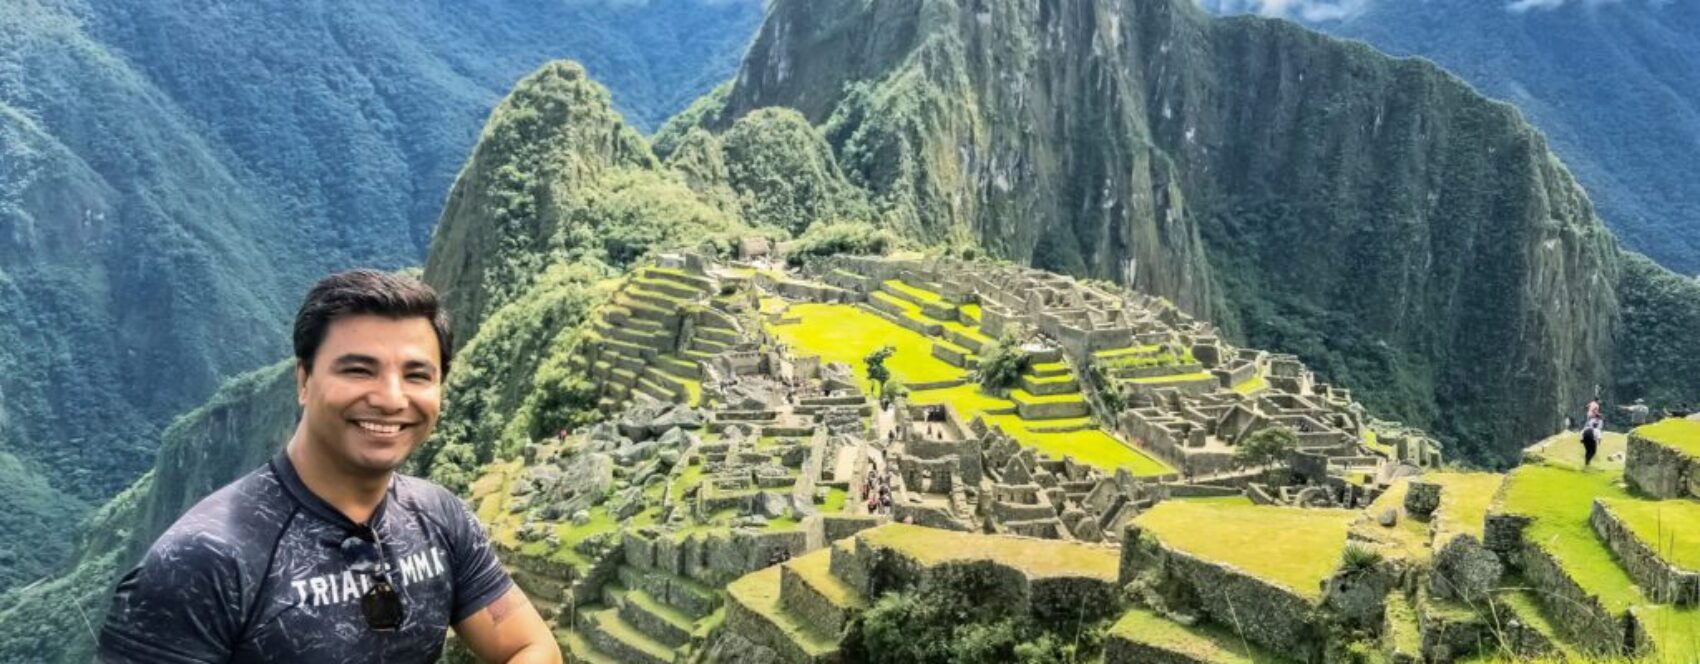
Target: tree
(1268,446)
(877,373)
(1001,368)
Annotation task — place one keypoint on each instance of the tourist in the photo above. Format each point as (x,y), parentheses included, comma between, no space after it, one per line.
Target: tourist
(230,580)
(1590,443)
(1594,420)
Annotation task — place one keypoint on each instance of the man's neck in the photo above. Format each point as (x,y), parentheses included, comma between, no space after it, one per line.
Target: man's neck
(355,494)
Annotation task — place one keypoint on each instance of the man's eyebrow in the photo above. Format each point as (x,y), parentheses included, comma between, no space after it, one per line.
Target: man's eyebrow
(355,358)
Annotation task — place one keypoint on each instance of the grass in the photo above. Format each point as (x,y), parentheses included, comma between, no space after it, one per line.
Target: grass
(1670,527)
(971,311)
(836,498)
(1675,632)
(609,621)
(1218,500)
(1408,536)
(1565,450)
(1292,547)
(1035,557)
(918,293)
(815,570)
(1679,434)
(1174,378)
(1255,384)
(844,333)
(1094,446)
(1023,396)
(1405,631)
(759,592)
(1558,500)
(1202,642)
(1464,501)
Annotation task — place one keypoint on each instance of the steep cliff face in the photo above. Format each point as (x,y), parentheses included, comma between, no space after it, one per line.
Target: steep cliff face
(1615,86)
(1410,238)
(245,422)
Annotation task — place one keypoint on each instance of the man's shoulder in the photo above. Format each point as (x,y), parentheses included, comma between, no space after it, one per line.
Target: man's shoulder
(423,494)
(243,514)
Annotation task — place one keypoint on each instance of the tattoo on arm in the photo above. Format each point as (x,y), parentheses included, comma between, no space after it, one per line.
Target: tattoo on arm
(503,607)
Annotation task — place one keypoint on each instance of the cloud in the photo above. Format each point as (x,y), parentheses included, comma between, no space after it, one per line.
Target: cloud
(1520,6)
(1304,10)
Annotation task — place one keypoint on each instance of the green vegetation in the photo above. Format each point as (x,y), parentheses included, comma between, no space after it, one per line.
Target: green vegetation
(1584,104)
(1001,367)
(840,333)
(1464,501)
(1681,435)
(1292,547)
(1559,501)
(950,623)
(877,374)
(1267,446)
(1669,527)
(785,174)
(853,238)
(968,617)
(1203,642)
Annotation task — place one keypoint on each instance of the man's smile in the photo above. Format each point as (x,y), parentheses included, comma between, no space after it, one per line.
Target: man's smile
(382,429)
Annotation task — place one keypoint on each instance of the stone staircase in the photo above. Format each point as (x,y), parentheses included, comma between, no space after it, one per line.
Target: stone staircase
(650,337)
(644,616)
(803,608)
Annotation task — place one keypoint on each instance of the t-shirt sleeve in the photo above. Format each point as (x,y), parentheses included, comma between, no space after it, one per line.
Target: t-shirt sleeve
(478,577)
(182,604)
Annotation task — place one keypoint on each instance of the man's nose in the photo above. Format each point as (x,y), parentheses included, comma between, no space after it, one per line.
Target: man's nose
(388,394)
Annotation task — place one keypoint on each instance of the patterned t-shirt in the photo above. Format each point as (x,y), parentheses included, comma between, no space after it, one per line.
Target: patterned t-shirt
(258,572)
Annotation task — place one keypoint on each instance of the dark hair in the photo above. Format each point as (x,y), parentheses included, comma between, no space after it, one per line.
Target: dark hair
(367,292)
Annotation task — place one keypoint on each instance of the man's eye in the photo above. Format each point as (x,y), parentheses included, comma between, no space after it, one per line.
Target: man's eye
(420,377)
(357,371)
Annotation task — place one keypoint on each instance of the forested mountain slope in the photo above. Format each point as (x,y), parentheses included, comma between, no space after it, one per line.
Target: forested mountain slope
(1614,85)
(174,175)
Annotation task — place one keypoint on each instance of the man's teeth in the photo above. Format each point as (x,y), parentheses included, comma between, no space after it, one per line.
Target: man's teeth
(374,427)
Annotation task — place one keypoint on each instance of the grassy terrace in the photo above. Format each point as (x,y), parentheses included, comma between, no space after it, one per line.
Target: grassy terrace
(1559,500)
(1035,557)
(1464,500)
(844,333)
(1173,378)
(759,592)
(1683,435)
(1565,450)
(1408,536)
(1254,385)
(1203,642)
(1670,527)
(920,294)
(1291,547)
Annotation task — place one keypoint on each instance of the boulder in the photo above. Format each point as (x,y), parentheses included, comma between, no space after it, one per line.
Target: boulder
(1422,499)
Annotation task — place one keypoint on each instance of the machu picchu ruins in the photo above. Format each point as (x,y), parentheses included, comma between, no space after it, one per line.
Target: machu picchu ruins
(745,496)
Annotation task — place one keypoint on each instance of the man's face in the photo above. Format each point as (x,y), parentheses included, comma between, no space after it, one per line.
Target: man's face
(374,392)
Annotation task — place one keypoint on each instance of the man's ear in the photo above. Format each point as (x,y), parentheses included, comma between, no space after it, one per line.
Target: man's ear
(300,384)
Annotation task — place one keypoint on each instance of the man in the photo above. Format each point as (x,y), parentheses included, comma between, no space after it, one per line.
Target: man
(326,554)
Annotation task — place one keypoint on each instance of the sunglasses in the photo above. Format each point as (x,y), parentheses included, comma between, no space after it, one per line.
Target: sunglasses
(381,604)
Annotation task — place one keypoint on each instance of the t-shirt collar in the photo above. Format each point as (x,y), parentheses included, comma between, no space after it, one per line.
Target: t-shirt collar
(297,489)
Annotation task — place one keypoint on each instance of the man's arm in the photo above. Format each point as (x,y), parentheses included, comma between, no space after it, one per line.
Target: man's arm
(491,614)
(509,630)
(180,605)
